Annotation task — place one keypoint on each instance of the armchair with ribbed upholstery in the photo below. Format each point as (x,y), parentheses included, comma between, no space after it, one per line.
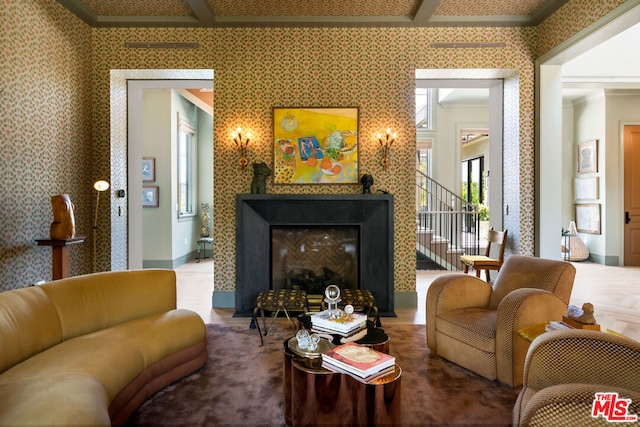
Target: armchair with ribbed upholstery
(565,369)
(475,324)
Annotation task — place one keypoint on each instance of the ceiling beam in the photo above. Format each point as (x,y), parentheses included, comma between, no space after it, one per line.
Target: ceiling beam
(203,12)
(424,12)
(81,11)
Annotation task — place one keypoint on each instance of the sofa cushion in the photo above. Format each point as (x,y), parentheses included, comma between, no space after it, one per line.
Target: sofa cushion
(475,326)
(97,301)
(58,399)
(114,356)
(29,325)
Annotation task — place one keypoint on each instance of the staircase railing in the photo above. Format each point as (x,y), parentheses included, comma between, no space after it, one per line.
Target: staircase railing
(447,225)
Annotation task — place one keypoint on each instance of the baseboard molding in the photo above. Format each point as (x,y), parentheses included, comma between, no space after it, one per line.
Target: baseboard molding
(405,299)
(610,260)
(223,299)
(167,263)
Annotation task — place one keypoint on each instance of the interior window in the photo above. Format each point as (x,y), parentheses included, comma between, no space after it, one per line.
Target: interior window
(186,169)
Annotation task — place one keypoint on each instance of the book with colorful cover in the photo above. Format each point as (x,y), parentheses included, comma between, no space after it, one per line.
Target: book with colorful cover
(344,325)
(358,359)
(370,379)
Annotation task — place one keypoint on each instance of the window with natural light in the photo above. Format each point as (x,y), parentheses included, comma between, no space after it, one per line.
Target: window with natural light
(186,166)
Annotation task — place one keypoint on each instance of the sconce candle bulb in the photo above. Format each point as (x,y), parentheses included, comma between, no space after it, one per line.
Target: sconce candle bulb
(242,145)
(386,144)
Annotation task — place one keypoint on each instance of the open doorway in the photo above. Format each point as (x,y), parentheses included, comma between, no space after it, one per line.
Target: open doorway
(126,155)
(171,125)
(454,149)
(586,90)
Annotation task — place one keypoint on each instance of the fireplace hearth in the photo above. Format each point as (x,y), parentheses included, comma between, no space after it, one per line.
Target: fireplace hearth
(367,219)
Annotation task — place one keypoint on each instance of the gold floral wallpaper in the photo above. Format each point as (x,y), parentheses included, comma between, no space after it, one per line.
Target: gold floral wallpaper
(56,129)
(45,132)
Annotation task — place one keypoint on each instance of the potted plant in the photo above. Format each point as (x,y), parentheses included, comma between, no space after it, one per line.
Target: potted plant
(483,218)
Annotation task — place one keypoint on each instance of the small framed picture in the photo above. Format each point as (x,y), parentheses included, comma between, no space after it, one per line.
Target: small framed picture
(150,197)
(588,156)
(588,218)
(586,188)
(148,169)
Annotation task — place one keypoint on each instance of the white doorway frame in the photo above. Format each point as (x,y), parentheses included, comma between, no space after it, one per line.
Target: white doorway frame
(425,78)
(132,82)
(548,125)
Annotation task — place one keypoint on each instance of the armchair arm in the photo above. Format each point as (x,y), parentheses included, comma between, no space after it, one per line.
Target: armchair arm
(582,356)
(520,308)
(451,292)
(568,404)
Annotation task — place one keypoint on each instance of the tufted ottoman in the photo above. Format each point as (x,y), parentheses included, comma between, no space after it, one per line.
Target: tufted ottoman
(276,300)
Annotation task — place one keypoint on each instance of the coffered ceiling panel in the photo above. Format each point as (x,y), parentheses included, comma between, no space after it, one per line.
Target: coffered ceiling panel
(270,13)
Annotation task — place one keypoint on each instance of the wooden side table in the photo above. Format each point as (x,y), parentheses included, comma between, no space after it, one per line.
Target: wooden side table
(60,254)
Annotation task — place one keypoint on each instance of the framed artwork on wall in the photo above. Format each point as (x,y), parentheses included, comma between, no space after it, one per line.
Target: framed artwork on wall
(148,169)
(150,196)
(315,145)
(588,218)
(587,156)
(586,188)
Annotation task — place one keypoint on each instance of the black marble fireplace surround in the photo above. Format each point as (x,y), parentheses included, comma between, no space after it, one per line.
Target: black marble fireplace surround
(257,213)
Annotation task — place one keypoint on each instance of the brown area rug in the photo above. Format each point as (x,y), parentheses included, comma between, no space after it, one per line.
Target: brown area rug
(241,385)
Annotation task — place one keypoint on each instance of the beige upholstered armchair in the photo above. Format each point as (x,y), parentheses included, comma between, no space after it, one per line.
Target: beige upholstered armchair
(475,324)
(565,369)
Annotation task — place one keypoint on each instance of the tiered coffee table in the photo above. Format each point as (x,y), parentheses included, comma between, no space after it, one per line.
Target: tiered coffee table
(316,396)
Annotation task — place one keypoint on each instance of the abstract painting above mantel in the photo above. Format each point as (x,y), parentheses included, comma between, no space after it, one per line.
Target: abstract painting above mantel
(315,145)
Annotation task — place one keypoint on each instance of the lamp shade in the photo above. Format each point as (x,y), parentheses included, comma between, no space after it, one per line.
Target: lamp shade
(101,185)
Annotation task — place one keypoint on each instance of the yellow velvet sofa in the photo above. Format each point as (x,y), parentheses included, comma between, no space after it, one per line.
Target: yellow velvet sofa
(89,350)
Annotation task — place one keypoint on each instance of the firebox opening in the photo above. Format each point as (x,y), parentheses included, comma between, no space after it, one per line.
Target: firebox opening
(311,258)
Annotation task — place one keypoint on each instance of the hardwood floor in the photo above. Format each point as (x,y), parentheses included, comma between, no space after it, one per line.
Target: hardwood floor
(614,292)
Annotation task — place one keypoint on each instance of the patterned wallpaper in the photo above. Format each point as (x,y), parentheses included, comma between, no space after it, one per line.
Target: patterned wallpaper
(52,56)
(487,8)
(374,69)
(571,19)
(313,7)
(45,128)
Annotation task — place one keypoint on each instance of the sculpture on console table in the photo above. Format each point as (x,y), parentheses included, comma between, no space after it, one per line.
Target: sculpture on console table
(260,173)
(63,225)
(367,182)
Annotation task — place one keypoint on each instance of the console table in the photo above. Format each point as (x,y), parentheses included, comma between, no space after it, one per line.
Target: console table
(60,254)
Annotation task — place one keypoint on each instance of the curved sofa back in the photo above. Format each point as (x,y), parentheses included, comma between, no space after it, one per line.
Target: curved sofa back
(36,318)
(28,325)
(97,301)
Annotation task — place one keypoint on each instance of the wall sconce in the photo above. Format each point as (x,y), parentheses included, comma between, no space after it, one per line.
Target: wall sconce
(242,145)
(386,147)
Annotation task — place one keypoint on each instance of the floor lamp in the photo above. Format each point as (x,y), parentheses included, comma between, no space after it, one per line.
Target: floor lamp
(100,186)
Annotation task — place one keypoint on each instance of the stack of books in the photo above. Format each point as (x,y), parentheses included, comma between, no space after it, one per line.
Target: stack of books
(361,362)
(347,325)
(556,326)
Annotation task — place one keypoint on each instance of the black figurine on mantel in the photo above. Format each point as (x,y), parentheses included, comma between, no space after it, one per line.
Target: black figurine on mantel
(260,173)
(367,182)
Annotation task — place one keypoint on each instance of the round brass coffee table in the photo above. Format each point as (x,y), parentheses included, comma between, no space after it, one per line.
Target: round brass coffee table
(316,396)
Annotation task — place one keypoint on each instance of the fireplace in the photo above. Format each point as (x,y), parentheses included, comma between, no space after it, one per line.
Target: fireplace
(302,241)
(311,258)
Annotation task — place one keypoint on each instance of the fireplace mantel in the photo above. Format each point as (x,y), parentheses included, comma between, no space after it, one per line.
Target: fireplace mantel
(257,213)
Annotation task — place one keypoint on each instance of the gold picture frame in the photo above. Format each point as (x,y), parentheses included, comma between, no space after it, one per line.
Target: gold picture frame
(315,145)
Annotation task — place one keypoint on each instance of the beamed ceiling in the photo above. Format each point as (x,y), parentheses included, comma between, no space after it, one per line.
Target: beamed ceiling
(279,13)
